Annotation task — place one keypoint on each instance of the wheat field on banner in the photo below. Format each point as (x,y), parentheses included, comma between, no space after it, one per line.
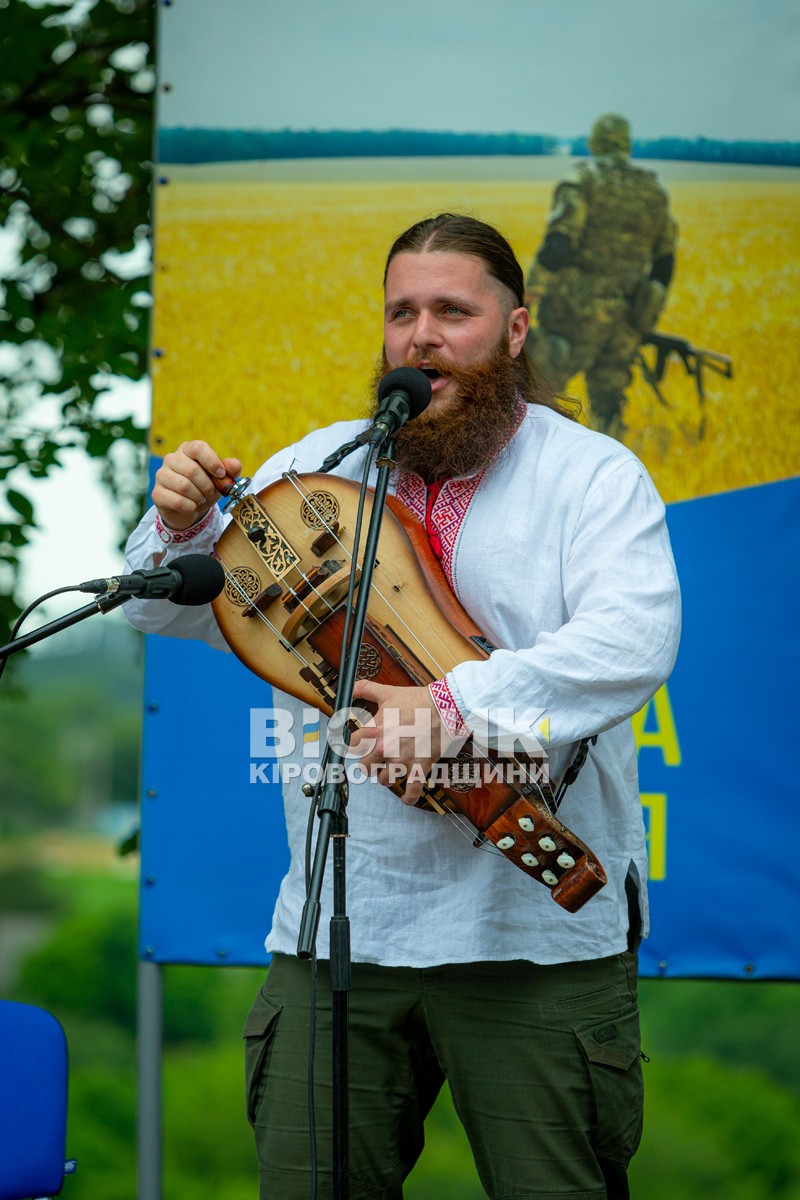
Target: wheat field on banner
(268,308)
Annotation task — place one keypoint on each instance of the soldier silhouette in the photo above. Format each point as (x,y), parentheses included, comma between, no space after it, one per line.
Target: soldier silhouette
(599,279)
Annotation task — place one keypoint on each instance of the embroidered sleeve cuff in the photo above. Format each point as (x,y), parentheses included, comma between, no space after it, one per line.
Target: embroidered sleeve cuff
(178,536)
(447,708)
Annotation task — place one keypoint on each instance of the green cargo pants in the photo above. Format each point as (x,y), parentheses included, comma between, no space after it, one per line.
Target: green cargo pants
(543,1063)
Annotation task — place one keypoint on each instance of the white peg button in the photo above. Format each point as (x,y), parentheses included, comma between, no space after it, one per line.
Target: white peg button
(565,860)
(547,843)
(526,824)
(505,843)
(530,860)
(549,878)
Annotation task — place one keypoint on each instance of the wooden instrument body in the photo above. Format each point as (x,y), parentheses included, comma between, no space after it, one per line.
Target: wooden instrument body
(287,555)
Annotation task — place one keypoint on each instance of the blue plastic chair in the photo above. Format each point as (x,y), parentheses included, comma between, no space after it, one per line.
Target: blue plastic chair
(33,1102)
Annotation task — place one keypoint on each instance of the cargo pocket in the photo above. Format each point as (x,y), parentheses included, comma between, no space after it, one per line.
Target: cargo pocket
(612,1050)
(257,1033)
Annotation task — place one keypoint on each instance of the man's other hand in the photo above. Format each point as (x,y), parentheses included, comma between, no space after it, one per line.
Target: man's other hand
(184,488)
(406,730)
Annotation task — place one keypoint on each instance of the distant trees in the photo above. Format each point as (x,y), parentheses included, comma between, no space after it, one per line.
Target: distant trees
(764,154)
(70,743)
(241,145)
(181,145)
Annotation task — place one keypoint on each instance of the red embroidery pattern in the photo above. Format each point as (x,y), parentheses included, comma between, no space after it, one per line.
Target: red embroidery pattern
(181,535)
(411,490)
(447,512)
(447,708)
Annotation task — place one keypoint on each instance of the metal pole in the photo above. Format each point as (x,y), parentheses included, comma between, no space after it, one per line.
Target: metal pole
(148,1099)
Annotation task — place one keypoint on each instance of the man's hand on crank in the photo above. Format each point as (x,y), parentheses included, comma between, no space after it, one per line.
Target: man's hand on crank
(406,730)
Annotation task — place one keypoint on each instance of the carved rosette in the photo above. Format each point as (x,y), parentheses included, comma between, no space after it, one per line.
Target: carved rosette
(464,773)
(242,585)
(369,663)
(319,510)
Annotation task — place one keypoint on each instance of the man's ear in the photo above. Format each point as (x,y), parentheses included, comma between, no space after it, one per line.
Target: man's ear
(518,322)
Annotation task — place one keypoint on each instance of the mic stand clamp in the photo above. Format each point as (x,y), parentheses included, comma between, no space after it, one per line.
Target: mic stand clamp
(339,455)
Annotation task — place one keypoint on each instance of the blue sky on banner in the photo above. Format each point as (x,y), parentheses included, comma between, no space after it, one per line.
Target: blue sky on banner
(721,69)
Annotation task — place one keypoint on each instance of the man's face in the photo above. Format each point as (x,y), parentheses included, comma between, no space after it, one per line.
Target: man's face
(444,308)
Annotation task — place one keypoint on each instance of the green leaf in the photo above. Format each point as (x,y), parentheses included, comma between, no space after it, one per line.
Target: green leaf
(22,505)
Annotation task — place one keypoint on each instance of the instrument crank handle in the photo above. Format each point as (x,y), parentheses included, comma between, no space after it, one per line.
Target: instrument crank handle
(232,489)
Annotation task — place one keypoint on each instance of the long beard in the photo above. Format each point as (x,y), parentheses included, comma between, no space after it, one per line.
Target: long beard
(471,431)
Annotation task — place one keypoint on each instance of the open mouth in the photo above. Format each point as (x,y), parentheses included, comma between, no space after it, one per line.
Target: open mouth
(438,378)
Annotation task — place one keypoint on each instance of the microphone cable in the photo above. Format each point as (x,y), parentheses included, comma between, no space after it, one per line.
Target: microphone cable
(23,616)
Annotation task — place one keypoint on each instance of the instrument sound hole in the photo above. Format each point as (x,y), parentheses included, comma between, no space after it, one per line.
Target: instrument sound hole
(242,586)
(319,509)
(464,773)
(369,662)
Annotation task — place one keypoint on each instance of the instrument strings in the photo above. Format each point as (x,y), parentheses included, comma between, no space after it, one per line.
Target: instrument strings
(294,480)
(458,819)
(312,587)
(248,603)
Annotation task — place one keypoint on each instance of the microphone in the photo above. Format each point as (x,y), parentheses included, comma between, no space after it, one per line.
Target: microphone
(190,579)
(402,395)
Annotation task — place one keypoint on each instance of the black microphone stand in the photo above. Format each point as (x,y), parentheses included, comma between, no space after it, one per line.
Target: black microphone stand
(332,812)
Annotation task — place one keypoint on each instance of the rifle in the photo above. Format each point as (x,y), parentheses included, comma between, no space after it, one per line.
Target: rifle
(694,360)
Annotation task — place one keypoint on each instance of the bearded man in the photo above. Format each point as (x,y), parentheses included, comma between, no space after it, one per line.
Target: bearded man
(553,539)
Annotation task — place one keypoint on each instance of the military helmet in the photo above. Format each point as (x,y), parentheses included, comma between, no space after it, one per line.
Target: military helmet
(609,133)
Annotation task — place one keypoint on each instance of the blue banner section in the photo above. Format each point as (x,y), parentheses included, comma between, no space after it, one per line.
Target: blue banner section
(727,905)
(213,844)
(717,776)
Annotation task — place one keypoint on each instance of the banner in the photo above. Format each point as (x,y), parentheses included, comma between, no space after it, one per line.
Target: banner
(288,164)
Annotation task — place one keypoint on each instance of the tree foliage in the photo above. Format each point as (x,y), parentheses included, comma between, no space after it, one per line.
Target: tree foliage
(182,145)
(75,138)
(70,746)
(88,969)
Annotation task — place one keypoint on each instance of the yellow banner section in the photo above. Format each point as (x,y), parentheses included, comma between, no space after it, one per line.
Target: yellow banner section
(268,310)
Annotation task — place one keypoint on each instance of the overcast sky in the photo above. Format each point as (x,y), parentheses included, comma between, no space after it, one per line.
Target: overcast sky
(713,68)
